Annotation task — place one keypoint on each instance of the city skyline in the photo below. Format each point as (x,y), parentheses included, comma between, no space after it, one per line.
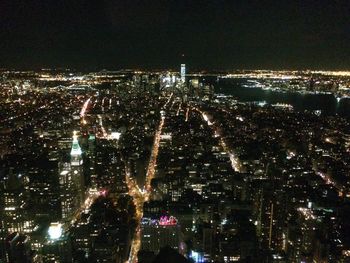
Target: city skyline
(138,166)
(177,131)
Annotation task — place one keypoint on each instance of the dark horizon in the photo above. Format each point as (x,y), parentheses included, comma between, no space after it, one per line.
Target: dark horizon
(213,35)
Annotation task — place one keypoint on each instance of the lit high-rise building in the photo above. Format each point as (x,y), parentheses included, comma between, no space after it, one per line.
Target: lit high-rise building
(12,203)
(12,209)
(77,168)
(70,190)
(76,152)
(91,159)
(183,73)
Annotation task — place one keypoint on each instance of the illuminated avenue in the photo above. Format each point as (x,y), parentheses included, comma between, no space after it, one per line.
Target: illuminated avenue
(134,166)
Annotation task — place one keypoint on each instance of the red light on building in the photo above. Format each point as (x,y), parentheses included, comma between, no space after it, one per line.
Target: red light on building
(167,221)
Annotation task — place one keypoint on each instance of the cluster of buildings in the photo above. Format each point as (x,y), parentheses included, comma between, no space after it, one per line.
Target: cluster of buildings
(133,166)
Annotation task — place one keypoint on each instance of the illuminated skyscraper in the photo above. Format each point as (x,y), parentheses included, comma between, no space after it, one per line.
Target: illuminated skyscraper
(91,159)
(182,84)
(76,152)
(183,73)
(12,204)
(77,168)
(70,190)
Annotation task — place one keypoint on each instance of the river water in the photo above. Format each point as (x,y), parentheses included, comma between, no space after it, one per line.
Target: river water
(326,103)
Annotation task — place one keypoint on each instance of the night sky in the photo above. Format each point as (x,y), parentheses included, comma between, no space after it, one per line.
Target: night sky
(217,34)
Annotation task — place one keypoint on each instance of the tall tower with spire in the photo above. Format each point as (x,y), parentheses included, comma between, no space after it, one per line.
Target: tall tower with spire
(76,152)
(76,162)
(183,86)
(183,73)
